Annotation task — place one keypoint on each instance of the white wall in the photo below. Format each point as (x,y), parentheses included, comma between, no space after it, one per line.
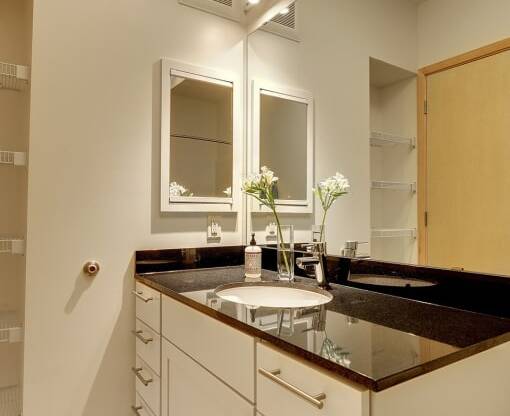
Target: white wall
(451,27)
(332,61)
(393,110)
(94,188)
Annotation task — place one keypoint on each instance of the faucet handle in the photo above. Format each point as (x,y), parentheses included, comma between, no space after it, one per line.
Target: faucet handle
(315,246)
(351,248)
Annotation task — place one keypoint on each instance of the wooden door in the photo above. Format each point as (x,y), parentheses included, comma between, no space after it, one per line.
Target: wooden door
(468,165)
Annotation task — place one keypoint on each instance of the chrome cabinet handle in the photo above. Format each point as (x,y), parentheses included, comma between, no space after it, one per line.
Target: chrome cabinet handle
(139,295)
(317,400)
(136,410)
(137,371)
(139,335)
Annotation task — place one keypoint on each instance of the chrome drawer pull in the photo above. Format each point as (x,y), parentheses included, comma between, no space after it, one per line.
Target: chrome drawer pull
(136,410)
(317,400)
(137,371)
(139,296)
(139,335)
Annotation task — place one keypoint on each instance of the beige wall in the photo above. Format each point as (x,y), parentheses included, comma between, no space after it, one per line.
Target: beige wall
(450,27)
(94,171)
(332,62)
(94,188)
(15,36)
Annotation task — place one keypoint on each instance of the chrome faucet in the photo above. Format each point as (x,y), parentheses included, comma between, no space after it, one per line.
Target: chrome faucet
(315,265)
(351,250)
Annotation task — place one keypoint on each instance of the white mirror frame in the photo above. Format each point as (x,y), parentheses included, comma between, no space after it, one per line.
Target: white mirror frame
(200,204)
(304,206)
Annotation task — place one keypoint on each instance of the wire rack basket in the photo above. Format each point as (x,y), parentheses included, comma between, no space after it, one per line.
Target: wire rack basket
(13,77)
(10,401)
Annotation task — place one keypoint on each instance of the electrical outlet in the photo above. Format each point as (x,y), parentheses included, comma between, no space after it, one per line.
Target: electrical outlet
(213,229)
(271,231)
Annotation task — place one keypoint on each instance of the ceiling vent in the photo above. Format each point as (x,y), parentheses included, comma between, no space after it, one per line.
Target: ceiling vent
(230,9)
(285,25)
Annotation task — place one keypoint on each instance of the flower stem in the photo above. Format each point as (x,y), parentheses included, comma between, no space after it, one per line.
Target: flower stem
(322,225)
(282,243)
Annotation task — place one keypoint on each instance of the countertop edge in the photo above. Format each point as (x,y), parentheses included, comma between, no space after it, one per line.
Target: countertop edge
(335,369)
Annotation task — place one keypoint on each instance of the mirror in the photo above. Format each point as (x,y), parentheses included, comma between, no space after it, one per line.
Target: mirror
(283,141)
(412,110)
(200,135)
(198,139)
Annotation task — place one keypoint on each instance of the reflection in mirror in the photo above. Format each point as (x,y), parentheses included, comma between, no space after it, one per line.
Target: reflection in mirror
(283,143)
(201,138)
(283,139)
(413,111)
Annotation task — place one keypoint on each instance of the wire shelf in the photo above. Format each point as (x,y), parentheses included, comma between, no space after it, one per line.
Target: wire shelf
(13,158)
(10,401)
(11,329)
(379,139)
(397,186)
(394,233)
(12,246)
(13,77)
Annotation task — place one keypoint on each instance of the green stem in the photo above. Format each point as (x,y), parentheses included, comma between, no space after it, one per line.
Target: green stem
(322,225)
(282,243)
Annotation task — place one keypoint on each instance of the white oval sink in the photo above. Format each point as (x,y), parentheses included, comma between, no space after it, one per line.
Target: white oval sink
(390,281)
(273,294)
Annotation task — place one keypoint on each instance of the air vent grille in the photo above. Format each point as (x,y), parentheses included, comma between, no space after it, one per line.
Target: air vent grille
(230,9)
(224,2)
(288,19)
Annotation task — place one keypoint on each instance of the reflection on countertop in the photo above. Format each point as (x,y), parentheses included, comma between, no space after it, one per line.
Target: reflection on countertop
(371,338)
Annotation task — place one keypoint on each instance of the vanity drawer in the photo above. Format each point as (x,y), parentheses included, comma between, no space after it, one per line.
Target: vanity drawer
(147,385)
(226,352)
(287,386)
(148,302)
(148,345)
(141,408)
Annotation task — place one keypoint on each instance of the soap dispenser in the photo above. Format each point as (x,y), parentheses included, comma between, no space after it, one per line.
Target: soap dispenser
(253,261)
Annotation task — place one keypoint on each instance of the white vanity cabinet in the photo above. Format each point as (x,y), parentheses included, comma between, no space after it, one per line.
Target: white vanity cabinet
(141,408)
(147,365)
(190,364)
(189,389)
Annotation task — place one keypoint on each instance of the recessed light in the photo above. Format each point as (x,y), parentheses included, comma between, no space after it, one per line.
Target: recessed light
(253,2)
(286,10)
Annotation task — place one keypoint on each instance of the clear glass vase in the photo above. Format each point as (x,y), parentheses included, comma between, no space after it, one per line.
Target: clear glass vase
(285,253)
(319,236)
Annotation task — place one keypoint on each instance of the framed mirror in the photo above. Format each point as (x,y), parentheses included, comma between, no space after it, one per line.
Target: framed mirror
(283,140)
(200,139)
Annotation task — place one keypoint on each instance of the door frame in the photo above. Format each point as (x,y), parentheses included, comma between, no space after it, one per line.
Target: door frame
(423,73)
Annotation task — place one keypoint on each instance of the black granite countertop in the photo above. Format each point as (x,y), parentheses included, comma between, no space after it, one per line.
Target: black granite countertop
(376,340)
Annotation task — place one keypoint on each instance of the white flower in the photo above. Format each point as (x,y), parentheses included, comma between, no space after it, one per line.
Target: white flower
(228,191)
(261,183)
(332,188)
(179,190)
(268,175)
(335,184)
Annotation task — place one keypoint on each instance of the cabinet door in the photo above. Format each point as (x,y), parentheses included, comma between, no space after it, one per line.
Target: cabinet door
(188,389)
(226,352)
